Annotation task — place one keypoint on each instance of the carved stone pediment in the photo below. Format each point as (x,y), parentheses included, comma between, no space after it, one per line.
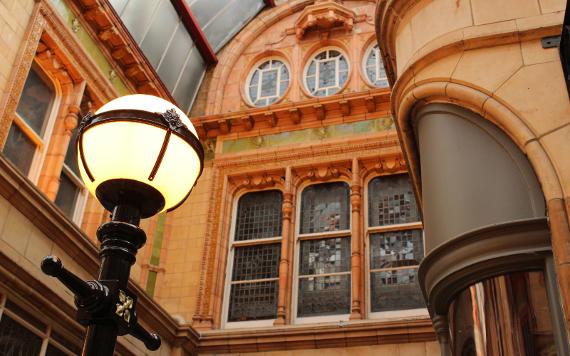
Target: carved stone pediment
(325,15)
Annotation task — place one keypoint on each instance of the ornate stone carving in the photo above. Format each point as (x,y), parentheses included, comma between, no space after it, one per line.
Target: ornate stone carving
(324,15)
(259,180)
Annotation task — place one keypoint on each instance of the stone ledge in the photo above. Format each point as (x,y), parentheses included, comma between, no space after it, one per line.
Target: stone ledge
(295,337)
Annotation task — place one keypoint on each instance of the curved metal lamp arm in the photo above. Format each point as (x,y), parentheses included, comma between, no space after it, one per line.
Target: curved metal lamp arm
(150,340)
(101,302)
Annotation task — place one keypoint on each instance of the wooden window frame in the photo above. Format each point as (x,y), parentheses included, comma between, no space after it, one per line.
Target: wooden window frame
(41,143)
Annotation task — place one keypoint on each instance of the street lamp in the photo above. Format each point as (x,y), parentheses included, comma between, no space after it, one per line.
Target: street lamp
(139,155)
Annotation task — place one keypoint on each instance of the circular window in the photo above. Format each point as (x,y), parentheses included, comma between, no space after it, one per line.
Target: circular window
(374,68)
(268,82)
(326,73)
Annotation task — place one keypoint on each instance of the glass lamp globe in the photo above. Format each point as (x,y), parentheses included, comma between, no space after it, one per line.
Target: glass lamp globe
(139,150)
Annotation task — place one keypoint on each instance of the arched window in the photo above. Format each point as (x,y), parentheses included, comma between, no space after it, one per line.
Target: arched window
(31,128)
(395,244)
(268,82)
(326,73)
(254,257)
(374,67)
(324,251)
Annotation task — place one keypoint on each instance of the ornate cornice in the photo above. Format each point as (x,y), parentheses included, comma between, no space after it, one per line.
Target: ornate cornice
(372,103)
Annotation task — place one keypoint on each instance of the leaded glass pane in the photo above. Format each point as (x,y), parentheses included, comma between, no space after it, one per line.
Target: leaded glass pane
(331,69)
(327,74)
(312,69)
(325,207)
(396,249)
(284,73)
(71,154)
(35,102)
(325,256)
(333,54)
(67,194)
(269,83)
(326,295)
(256,262)
(395,290)
(391,201)
(19,149)
(375,68)
(258,216)
(15,339)
(253,301)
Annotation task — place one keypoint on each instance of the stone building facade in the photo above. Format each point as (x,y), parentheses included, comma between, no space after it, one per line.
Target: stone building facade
(303,234)
(481,108)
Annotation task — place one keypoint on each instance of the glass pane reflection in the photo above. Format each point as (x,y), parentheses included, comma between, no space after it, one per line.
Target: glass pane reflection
(505,315)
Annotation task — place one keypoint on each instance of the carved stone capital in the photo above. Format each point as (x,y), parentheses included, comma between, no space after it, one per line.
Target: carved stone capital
(71,119)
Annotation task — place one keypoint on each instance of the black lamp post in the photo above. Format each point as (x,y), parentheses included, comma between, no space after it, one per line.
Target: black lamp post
(139,155)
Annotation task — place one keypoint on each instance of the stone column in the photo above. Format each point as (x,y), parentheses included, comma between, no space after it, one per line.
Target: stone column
(286,252)
(356,241)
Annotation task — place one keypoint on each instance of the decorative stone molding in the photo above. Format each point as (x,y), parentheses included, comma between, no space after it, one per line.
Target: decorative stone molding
(324,15)
(373,103)
(320,173)
(256,181)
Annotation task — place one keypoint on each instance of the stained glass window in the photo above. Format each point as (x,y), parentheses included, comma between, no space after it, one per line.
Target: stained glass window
(394,254)
(255,270)
(268,82)
(324,263)
(374,68)
(325,208)
(258,216)
(391,201)
(326,73)
(30,123)
(324,277)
